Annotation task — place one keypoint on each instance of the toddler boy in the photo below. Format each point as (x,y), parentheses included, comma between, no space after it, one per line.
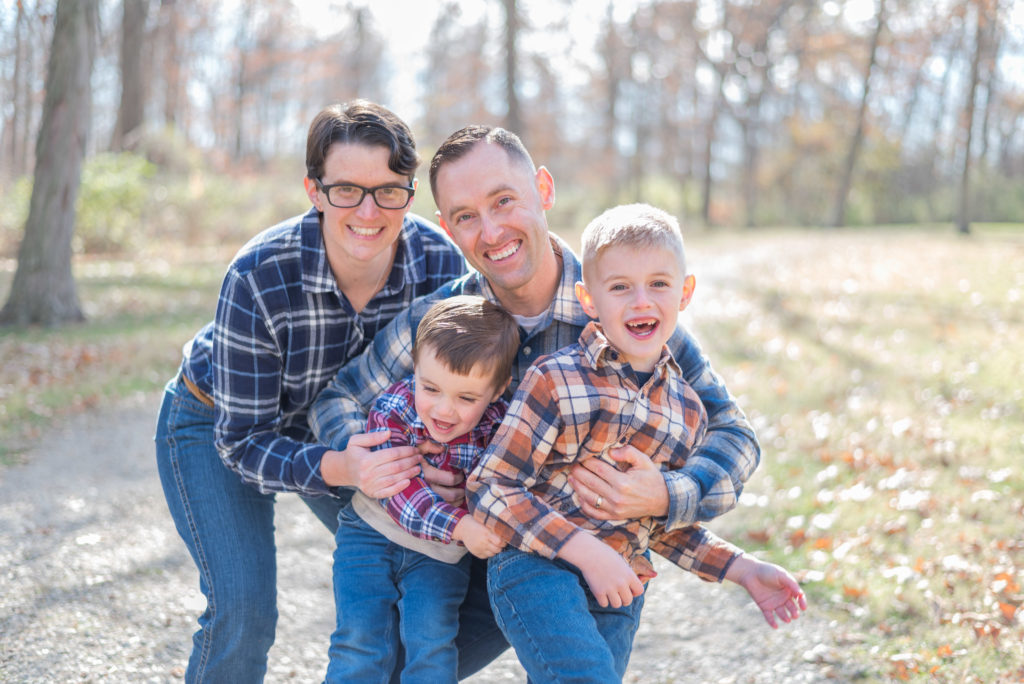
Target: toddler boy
(398,578)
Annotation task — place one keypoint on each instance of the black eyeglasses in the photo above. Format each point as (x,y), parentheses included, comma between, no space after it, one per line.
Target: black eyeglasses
(348,195)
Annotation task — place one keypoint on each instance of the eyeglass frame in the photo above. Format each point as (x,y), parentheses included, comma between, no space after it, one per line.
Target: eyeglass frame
(326,189)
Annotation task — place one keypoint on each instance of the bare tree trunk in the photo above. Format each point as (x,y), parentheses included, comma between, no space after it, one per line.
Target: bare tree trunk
(846,180)
(709,141)
(963,221)
(16,159)
(989,76)
(133,88)
(915,97)
(513,117)
(937,118)
(751,158)
(612,54)
(43,290)
(170,38)
(243,44)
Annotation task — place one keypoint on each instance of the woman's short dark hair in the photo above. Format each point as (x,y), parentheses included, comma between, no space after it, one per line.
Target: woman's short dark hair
(364,123)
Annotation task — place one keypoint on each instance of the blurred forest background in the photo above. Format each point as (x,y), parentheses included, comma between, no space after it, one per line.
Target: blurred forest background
(727,112)
(850,174)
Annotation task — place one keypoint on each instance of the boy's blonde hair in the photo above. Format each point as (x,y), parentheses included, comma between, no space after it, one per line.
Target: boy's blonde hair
(639,226)
(466,331)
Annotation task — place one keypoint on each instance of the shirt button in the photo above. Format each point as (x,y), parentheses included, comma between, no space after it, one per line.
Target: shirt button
(527,351)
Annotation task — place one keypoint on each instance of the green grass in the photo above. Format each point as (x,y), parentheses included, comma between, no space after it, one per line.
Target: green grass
(882,369)
(880,366)
(138,316)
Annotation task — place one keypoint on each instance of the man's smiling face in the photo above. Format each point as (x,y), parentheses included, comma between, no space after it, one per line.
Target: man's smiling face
(493,207)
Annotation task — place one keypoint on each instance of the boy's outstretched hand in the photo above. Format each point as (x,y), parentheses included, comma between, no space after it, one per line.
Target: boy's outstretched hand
(774,590)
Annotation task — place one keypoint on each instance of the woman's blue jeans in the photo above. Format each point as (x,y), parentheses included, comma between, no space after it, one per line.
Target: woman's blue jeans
(228,527)
(558,630)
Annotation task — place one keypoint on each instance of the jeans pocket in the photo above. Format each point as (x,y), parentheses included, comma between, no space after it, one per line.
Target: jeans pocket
(348,516)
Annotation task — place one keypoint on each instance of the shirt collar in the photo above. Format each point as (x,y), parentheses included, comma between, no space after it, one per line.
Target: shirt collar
(599,352)
(565,307)
(316,270)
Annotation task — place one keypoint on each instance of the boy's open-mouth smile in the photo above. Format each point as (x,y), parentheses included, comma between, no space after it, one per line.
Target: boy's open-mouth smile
(642,328)
(441,426)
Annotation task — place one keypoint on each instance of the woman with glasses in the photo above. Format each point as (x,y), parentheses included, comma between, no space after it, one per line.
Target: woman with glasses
(298,301)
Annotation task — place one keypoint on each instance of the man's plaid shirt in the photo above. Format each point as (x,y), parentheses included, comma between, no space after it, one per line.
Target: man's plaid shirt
(714,475)
(576,404)
(283,329)
(418,509)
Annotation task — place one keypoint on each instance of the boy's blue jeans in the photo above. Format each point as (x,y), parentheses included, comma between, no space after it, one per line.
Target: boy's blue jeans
(558,630)
(228,528)
(389,598)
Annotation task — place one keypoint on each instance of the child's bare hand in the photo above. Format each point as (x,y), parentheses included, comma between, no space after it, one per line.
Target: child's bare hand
(481,541)
(773,589)
(608,575)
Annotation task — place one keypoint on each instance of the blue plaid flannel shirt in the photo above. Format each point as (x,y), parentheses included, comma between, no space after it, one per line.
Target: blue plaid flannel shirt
(282,331)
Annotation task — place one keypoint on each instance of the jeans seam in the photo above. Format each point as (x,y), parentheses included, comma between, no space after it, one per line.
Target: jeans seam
(515,615)
(206,631)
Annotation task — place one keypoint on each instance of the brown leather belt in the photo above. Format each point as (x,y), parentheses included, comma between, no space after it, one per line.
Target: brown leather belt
(196,392)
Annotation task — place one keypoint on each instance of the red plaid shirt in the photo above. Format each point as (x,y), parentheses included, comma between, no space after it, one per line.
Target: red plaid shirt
(418,509)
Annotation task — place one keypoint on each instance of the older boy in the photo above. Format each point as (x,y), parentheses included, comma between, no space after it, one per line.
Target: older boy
(619,385)
(397,552)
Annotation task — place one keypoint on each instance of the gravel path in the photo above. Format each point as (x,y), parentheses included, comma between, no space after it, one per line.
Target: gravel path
(96,586)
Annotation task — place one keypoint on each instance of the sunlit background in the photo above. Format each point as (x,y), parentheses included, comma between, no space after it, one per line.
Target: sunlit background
(777,112)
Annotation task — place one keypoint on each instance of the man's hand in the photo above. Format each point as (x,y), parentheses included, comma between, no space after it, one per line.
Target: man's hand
(481,541)
(610,494)
(608,575)
(378,474)
(774,590)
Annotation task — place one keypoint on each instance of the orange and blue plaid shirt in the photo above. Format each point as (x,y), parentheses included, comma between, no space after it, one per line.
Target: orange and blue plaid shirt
(579,403)
(418,509)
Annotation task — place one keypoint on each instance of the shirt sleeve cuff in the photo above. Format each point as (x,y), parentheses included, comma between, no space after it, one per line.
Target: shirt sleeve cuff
(455,517)
(314,484)
(683,498)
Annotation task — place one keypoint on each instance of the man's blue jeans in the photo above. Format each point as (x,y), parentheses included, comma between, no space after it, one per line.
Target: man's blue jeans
(558,630)
(228,527)
(391,598)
